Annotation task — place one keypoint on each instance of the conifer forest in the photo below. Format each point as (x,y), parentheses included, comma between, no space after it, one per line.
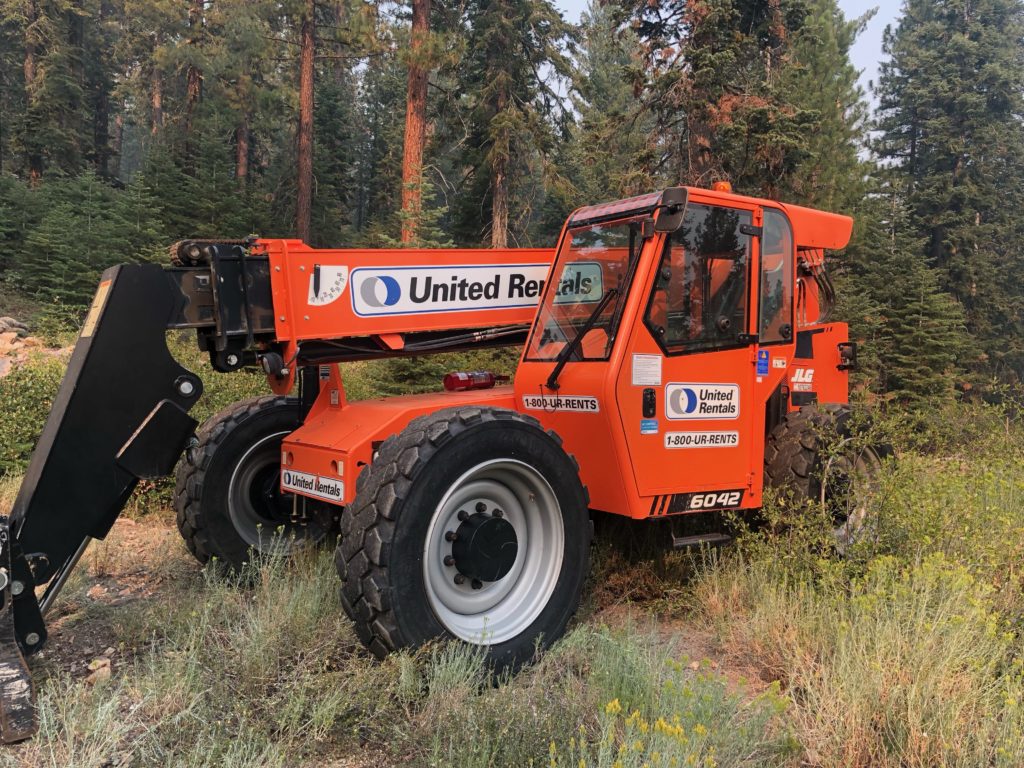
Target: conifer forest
(128,124)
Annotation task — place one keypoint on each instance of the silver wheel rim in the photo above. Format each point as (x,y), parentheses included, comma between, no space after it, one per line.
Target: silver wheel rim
(499,610)
(257,530)
(859,472)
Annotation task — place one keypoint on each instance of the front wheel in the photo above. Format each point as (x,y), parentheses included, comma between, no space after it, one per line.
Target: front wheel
(228,495)
(471,524)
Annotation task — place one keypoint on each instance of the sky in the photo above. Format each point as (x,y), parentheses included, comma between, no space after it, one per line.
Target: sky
(867,51)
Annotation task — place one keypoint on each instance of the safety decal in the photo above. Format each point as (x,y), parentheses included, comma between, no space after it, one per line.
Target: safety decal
(89,327)
(646,370)
(326,284)
(779,362)
(702,439)
(414,290)
(763,358)
(329,488)
(648,426)
(575,403)
(702,401)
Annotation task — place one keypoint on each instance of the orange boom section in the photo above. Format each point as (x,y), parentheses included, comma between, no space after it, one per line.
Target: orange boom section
(329,294)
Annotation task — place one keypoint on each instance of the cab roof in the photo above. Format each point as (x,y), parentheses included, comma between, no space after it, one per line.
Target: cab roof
(813,229)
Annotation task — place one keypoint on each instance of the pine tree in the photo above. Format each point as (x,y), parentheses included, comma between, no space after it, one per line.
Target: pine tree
(65,252)
(609,151)
(820,80)
(711,75)
(911,331)
(514,48)
(950,106)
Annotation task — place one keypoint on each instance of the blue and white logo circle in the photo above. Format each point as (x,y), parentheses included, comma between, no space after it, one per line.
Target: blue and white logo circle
(682,400)
(380,291)
(702,401)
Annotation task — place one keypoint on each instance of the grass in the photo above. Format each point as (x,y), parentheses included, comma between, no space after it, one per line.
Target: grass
(264,671)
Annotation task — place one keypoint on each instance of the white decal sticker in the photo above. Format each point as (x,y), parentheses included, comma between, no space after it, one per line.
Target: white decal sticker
(702,401)
(779,362)
(646,370)
(582,282)
(328,488)
(326,284)
(803,380)
(461,288)
(702,439)
(576,403)
(713,500)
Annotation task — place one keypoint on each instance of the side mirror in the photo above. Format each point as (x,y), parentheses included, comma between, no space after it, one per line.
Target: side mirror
(671,210)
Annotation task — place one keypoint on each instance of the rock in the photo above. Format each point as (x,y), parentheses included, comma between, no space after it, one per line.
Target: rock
(5,367)
(100,671)
(10,324)
(8,341)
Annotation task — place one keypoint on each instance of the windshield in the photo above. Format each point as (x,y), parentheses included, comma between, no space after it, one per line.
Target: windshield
(592,261)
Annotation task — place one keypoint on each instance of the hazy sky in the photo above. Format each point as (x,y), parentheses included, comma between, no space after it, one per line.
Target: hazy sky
(866,52)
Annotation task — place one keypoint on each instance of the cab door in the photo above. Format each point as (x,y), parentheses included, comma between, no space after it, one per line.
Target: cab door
(685,389)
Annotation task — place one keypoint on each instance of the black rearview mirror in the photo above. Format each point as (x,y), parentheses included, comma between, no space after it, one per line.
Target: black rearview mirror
(671,209)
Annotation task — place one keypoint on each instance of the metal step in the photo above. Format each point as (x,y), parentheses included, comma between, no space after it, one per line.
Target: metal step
(711,539)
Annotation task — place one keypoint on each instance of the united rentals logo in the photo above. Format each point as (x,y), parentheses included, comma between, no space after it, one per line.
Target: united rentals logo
(702,401)
(328,488)
(463,288)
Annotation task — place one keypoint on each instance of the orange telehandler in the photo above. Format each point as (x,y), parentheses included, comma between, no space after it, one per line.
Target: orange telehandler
(677,355)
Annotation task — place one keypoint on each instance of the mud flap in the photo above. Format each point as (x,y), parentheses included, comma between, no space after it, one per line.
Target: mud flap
(17,695)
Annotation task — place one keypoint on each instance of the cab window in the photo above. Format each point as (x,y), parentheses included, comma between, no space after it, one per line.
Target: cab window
(776,305)
(700,298)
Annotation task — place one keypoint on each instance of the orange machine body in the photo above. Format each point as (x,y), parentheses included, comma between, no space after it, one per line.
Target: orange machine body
(658,425)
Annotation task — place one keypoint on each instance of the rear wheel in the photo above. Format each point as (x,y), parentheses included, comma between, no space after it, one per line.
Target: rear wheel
(472,524)
(228,496)
(813,454)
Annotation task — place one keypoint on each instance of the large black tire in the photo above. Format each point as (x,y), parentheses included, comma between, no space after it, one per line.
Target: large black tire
(227,493)
(810,455)
(480,459)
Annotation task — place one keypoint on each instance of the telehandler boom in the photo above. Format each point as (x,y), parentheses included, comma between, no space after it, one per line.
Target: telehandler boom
(677,355)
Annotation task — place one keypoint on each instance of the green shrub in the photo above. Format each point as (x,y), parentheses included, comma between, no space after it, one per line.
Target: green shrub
(26,395)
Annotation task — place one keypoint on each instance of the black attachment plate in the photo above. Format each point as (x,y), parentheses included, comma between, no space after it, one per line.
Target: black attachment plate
(121,388)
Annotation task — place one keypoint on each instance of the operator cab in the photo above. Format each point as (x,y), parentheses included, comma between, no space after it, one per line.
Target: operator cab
(663,346)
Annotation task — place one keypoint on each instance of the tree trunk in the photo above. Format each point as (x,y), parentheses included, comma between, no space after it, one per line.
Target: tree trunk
(499,178)
(415,122)
(35,158)
(304,196)
(116,142)
(156,101)
(242,151)
(499,206)
(194,74)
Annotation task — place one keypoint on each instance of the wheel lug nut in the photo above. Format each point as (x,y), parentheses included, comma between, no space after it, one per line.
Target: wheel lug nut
(460,579)
(463,515)
(498,513)
(477,584)
(450,535)
(449,560)
(481,507)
